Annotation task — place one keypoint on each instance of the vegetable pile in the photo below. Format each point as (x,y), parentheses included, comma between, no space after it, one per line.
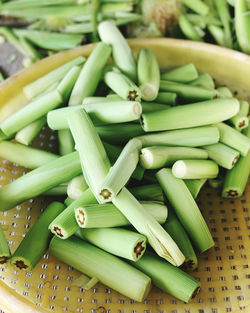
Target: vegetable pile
(41,28)
(136,146)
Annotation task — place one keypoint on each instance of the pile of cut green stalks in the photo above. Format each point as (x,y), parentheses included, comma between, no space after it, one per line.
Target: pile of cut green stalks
(136,147)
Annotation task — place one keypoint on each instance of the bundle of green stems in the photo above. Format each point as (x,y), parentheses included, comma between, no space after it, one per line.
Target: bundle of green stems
(132,162)
(44,27)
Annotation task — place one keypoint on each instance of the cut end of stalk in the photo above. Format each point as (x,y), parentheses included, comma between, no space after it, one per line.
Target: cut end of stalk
(137,108)
(189,265)
(80,217)
(235,160)
(179,169)
(21,140)
(231,193)
(3,259)
(195,293)
(139,249)
(146,158)
(57,231)
(20,263)
(133,95)
(148,92)
(105,194)
(243,123)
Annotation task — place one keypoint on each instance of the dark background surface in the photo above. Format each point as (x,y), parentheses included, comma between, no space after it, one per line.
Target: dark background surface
(7,68)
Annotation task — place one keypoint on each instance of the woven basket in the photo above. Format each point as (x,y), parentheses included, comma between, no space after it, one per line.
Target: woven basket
(223,270)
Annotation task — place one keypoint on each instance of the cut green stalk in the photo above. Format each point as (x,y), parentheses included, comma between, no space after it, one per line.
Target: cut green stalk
(31,112)
(203,21)
(188,29)
(25,156)
(76,187)
(65,225)
(185,116)
(166,98)
(186,209)
(158,156)
(68,201)
(177,232)
(222,155)
(224,92)
(66,11)
(89,100)
(138,172)
(121,51)
(65,87)
(120,242)
(119,133)
(181,74)
(147,225)
(191,137)
(95,8)
(22,4)
(84,281)
(122,86)
(87,27)
(41,84)
(236,179)
(94,66)
(225,17)
(36,241)
(60,190)
(218,35)
(40,180)
(194,186)
(187,92)
(215,182)
(110,271)
(111,112)
(113,154)
(32,54)
(95,163)
(240,120)
(50,40)
(110,9)
(4,248)
(204,80)
(29,133)
(168,278)
(148,74)
(197,6)
(151,106)
(242,25)
(195,169)
(66,142)
(107,214)
(121,171)
(148,192)
(233,138)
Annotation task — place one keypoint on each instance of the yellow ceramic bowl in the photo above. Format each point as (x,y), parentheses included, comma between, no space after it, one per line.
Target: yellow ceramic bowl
(223,271)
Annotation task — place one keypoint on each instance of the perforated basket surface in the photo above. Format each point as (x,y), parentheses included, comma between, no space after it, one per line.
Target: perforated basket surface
(223,270)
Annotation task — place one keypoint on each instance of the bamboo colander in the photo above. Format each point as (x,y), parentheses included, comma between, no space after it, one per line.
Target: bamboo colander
(223,271)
